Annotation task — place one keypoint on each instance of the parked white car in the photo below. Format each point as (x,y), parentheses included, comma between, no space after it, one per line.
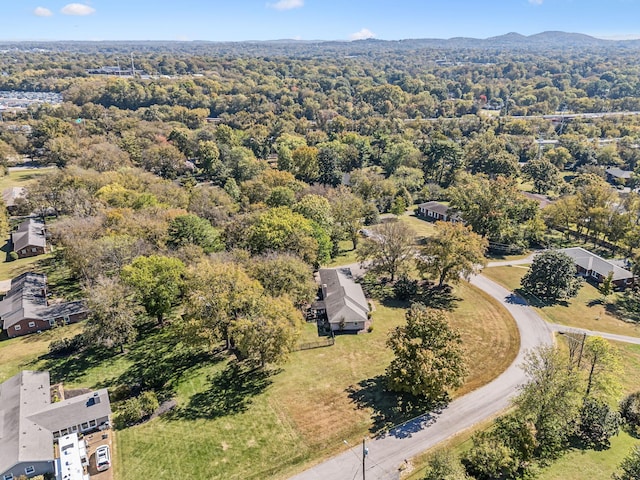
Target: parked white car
(103,458)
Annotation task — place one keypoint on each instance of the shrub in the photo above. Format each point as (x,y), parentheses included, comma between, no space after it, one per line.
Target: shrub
(134,410)
(67,346)
(13,256)
(630,410)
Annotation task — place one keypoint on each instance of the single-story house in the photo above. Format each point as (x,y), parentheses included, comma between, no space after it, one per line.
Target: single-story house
(596,268)
(437,211)
(31,421)
(30,238)
(617,176)
(11,197)
(343,301)
(25,308)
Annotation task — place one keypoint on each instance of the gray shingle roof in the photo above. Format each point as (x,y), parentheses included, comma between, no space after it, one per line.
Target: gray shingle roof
(27,299)
(591,262)
(437,207)
(28,418)
(21,439)
(30,233)
(343,298)
(619,173)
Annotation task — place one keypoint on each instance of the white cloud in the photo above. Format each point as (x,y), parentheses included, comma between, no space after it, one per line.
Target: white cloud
(362,34)
(536,2)
(286,4)
(77,9)
(42,12)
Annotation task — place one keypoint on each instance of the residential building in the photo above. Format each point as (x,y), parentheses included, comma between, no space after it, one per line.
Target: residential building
(31,422)
(618,176)
(343,301)
(437,211)
(11,197)
(25,308)
(596,268)
(30,238)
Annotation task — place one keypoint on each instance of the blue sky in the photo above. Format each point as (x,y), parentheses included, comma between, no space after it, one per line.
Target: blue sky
(233,20)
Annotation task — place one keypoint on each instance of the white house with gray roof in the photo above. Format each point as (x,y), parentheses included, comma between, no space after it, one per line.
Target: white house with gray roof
(594,267)
(343,301)
(30,421)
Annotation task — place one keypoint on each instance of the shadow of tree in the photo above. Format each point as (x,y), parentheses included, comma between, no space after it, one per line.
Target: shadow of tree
(395,414)
(230,391)
(161,360)
(72,367)
(441,298)
(626,308)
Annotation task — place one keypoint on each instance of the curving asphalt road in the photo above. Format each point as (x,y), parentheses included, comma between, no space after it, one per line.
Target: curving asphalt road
(387,453)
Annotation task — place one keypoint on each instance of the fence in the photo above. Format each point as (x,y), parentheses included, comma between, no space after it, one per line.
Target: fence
(325,342)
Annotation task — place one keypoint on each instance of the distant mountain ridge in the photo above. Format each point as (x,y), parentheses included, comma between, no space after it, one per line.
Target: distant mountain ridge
(512,40)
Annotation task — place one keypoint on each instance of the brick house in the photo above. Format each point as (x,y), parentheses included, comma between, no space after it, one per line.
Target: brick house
(596,268)
(436,211)
(30,238)
(25,308)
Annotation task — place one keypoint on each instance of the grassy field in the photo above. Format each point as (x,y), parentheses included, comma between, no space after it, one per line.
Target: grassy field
(236,424)
(20,178)
(584,311)
(574,465)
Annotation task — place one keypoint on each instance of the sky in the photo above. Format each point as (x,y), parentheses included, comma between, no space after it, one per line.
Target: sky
(237,20)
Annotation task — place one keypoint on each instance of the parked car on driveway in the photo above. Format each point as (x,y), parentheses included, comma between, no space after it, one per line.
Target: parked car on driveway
(103,458)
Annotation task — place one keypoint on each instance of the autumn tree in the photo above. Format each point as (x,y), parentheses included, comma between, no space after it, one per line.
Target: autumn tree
(544,175)
(348,213)
(629,469)
(112,321)
(268,333)
(429,358)
(550,400)
(552,277)
(388,248)
(217,293)
(453,252)
(284,274)
(157,282)
(193,230)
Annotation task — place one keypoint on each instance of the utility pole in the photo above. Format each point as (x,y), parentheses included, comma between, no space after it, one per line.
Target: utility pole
(365,451)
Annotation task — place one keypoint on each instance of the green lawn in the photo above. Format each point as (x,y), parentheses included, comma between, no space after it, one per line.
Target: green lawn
(575,464)
(584,311)
(591,464)
(20,178)
(235,424)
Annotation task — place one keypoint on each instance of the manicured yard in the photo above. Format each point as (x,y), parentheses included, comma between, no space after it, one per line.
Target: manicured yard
(575,464)
(20,178)
(584,311)
(235,424)
(591,464)
(347,255)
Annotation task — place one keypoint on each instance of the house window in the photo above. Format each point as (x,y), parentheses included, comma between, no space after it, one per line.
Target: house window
(74,429)
(30,470)
(64,431)
(84,426)
(9,476)
(23,251)
(17,327)
(32,324)
(56,434)
(34,250)
(92,423)
(52,322)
